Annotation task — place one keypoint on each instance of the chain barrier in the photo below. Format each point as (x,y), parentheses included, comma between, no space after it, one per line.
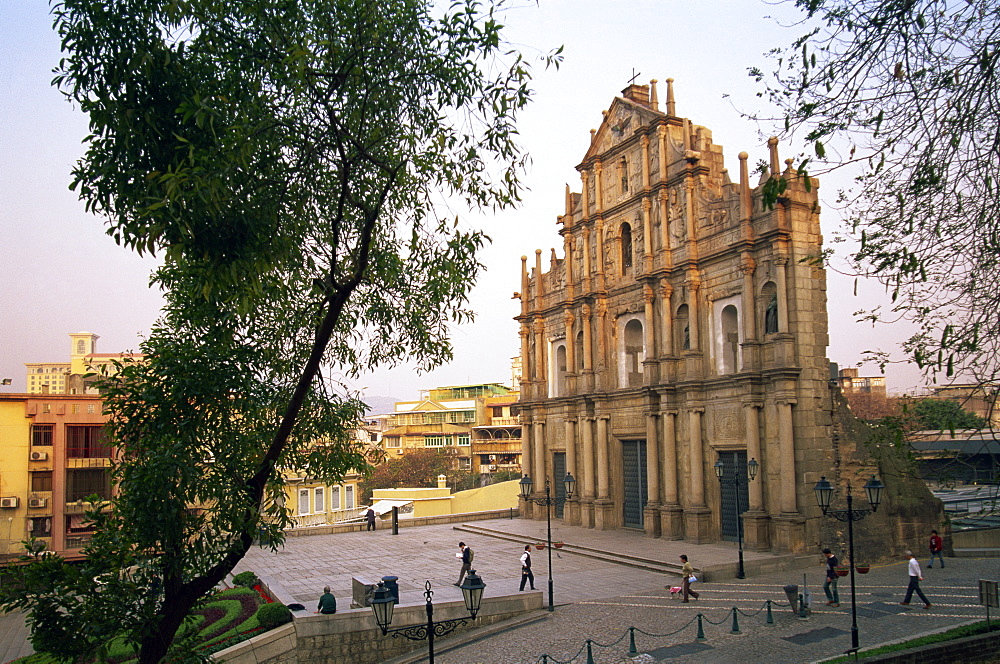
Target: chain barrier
(731,615)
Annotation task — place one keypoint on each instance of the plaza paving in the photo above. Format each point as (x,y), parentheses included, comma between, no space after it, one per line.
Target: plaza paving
(599,599)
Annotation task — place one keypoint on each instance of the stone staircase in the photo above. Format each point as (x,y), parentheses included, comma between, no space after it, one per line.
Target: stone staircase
(658,566)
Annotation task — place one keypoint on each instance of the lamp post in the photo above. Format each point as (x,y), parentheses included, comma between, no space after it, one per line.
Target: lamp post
(548,501)
(737,482)
(824,494)
(383,603)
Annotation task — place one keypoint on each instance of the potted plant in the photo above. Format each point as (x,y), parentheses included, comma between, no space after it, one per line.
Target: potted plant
(842,570)
(558,545)
(539,545)
(862,568)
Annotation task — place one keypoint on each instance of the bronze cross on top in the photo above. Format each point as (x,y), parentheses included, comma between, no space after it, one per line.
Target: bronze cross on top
(635,75)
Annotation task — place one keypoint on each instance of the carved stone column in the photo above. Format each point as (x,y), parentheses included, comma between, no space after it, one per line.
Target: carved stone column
(650,365)
(751,347)
(540,359)
(568,320)
(651,513)
(647,235)
(538,464)
(789,525)
(589,484)
(588,349)
(571,513)
(697,516)
(603,507)
(586,260)
(756,521)
(671,513)
(527,452)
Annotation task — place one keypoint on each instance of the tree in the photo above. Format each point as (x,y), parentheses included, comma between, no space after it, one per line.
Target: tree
(290,163)
(942,415)
(416,468)
(905,93)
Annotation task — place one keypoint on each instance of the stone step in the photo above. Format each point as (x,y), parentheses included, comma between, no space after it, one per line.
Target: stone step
(981,552)
(658,566)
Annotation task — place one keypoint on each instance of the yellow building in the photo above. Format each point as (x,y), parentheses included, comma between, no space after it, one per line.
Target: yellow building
(439,501)
(52,456)
(15,431)
(71,377)
(444,419)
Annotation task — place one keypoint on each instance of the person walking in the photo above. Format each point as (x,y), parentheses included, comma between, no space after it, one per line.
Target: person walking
(830,585)
(936,546)
(465,553)
(915,579)
(526,575)
(370,517)
(327,602)
(687,571)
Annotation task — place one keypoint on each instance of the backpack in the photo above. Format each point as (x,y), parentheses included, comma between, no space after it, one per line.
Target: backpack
(472,554)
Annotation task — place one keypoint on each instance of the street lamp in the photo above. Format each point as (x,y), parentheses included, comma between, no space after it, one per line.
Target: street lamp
(824,494)
(383,603)
(737,482)
(569,482)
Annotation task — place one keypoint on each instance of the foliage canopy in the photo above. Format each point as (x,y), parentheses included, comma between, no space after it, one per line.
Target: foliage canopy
(288,162)
(906,93)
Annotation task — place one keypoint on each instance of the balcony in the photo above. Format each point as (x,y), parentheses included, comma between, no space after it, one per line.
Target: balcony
(505,446)
(77,541)
(505,422)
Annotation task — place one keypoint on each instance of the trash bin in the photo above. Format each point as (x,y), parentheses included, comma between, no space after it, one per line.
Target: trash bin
(792,593)
(390,583)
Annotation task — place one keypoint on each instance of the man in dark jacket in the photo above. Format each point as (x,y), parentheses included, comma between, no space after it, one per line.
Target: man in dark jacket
(327,602)
(466,555)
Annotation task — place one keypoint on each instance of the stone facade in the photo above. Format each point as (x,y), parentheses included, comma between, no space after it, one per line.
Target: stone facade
(685,324)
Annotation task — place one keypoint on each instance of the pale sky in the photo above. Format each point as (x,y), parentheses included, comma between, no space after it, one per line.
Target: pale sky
(62,274)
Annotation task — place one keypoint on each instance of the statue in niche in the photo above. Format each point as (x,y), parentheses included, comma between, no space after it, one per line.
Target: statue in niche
(678,229)
(687,337)
(771,316)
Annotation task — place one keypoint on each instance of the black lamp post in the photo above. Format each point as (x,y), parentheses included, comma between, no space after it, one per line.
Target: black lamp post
(526,484)
(383,603)
(824,494)
(736,481)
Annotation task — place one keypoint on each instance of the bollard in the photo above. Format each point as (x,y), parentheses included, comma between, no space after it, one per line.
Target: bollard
(736,622)
(701,630)
(545,659)
(590,652)
(395,520)
(802,608)
(770,618)
(632,651)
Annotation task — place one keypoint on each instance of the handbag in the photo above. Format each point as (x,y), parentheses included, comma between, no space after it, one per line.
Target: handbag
(692,578)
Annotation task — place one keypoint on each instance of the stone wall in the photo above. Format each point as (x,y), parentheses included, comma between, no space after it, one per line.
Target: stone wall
(908,511)
(351,636)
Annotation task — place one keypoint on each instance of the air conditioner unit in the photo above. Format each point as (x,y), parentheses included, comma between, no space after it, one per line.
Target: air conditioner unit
(12,501)
(399,451)
(39,456)
(36,502)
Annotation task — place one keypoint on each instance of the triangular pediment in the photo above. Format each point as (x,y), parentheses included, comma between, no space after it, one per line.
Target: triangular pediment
(621,121)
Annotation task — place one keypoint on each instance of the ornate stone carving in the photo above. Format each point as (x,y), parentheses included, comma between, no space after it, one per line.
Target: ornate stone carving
(728,423)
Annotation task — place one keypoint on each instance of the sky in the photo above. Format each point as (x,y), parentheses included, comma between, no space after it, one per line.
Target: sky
(60,273)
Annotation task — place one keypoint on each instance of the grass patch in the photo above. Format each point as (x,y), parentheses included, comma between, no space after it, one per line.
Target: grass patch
(950,635)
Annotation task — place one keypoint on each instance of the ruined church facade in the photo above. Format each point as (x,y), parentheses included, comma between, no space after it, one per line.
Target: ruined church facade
(685,324)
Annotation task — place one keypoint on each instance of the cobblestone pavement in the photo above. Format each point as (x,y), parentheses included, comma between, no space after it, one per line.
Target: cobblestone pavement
(600,600)
(952,591)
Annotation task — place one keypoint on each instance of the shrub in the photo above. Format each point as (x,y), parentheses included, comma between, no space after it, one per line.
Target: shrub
(273,615)
(247,579)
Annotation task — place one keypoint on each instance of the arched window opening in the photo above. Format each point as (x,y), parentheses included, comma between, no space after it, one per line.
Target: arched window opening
(682,329)
(769,296)
(730,339)
(579,352)
(634,353)
(626,237)
(560,370)
(81,347)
